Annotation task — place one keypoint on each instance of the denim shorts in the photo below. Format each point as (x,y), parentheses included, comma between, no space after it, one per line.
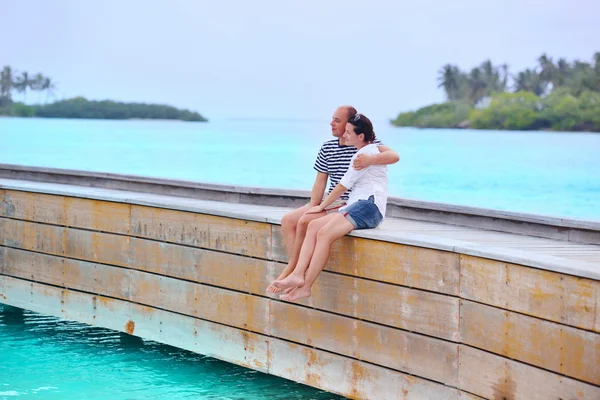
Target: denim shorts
(363,214)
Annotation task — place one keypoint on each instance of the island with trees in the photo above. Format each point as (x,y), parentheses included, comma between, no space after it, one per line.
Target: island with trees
(78,107)
(560,96)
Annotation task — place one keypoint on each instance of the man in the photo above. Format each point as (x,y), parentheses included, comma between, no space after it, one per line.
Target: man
(332,162)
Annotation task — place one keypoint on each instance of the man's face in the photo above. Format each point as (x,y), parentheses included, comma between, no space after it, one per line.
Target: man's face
(338,122)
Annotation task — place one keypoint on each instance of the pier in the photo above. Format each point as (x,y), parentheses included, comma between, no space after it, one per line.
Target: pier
(440,302)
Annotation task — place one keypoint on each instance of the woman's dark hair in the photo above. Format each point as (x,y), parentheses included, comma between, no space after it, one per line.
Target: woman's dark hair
(362,125)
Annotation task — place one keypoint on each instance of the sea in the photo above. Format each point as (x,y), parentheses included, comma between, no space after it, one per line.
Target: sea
(42,357)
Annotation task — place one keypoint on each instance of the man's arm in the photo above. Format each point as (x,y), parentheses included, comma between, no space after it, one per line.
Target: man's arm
(386,156)
(318,189)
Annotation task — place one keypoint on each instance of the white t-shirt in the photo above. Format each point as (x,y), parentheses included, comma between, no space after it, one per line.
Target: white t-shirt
(367,181)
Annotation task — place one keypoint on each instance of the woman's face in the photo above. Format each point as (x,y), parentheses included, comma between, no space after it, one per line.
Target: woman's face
(351,138)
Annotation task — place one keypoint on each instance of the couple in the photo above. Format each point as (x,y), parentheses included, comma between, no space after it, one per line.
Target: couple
(357,200)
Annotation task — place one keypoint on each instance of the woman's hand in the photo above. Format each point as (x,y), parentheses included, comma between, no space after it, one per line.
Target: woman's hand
(314,210)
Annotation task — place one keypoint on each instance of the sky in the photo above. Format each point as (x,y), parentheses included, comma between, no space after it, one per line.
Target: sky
(282,59)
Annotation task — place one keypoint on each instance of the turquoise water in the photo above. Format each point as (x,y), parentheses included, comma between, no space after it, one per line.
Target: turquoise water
(46,358)
(555,174)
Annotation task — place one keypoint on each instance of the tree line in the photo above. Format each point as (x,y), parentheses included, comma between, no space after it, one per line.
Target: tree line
(21,82)
(559,95)
(78,107)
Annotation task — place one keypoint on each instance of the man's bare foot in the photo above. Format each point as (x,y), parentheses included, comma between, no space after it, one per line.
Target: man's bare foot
(289,282)
(298,293)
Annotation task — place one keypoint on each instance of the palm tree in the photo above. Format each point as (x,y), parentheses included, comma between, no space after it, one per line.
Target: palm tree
(505,75)
(22,84)
(477,85)
(530,81)
(563,72)
(6,82)
(548,70)
(597,69)
(582,77)
(36,84)
(49,87)
(491,77)
(449,79)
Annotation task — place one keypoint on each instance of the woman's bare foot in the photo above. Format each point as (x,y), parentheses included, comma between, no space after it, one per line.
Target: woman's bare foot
(298,293)
(273,289)
(289,282)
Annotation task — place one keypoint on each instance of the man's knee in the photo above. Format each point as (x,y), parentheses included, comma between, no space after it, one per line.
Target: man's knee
(290,220)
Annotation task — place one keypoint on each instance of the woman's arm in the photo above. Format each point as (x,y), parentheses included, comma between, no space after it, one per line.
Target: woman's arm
(335,194)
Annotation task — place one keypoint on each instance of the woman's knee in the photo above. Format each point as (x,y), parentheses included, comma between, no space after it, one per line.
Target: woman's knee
(312,227)
(304,221)
(322,233)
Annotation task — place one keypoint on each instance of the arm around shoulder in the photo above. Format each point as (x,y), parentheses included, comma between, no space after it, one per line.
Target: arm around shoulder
(386,156)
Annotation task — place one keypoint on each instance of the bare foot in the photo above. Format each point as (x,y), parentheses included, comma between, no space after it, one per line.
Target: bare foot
(291,281)
(273,289)
(298,293)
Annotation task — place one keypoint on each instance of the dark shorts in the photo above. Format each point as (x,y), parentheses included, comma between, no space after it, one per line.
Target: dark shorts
(363,214)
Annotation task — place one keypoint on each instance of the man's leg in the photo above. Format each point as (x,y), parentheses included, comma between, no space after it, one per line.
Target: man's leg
(334,229)
(299,233)
(288,227)
(306,253)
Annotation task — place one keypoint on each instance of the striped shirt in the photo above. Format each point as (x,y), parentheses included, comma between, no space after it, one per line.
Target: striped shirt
(334,161)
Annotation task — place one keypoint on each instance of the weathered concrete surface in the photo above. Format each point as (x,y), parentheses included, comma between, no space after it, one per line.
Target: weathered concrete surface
(433,311)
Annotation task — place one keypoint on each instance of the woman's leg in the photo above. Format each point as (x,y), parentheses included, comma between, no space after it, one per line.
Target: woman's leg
(335,228)
(293,255)
(297,277)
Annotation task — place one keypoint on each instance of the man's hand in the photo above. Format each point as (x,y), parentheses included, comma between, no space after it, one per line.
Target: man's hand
(314,210)
(362,161)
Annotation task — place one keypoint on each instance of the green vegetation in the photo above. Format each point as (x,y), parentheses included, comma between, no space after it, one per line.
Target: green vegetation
(76,107)
(561,96)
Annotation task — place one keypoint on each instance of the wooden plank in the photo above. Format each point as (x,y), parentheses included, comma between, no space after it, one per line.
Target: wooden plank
(559,348)
(31,236)
(75,243)
(299,363)
(406,308)
(214,304)
(80,275)
(68,211)
(229,344)
(97,247)
(231,271)
(219,305)
(34,207)
(98,215)
(400,264)
(350,378)
(549,295)
(199,230)
(415,354)
(495,377)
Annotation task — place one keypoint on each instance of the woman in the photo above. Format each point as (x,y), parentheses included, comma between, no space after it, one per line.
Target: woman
(365,209)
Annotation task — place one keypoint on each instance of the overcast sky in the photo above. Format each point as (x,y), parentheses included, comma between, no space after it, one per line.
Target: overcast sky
(277,58)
